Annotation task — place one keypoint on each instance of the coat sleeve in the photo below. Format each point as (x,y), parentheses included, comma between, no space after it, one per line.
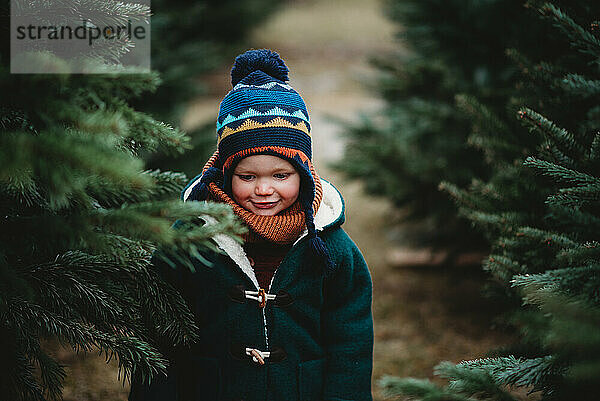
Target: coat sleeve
(347,326)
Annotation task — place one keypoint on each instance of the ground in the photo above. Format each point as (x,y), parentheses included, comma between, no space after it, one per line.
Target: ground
(422,314)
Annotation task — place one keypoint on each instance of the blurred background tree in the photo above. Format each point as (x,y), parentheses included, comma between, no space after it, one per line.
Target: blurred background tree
(540,208)
(421,138)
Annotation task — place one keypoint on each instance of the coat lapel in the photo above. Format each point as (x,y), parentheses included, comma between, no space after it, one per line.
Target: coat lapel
(234,250)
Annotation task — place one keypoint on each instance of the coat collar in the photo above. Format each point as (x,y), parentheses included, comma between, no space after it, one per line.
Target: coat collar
(330,212)
(329,215)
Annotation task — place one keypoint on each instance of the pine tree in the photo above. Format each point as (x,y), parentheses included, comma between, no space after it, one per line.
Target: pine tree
(421,137)
(81,218)
(541,210)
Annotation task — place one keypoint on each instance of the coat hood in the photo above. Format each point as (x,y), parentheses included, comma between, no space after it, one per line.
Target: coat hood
(331,214)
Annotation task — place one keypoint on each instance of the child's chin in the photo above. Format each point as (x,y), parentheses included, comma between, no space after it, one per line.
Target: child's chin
(266,212)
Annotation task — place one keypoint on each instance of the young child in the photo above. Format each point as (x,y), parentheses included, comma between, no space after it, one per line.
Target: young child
(287,315)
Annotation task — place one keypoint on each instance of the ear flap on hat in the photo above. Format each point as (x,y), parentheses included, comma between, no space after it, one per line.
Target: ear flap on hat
(317,252)
(200,190)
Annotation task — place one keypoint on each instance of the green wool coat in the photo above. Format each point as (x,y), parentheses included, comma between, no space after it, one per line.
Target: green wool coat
(319,330)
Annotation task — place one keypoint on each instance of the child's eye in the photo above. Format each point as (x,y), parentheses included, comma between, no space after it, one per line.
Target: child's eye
(245,177)
(281,176)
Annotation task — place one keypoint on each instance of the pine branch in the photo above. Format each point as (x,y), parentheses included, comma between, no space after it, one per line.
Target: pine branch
(579,255)
(464,199)
(574,220)
(132,352)
(145,132)
(576,196)
(503,267)
(111,12)
(490,133)
(19,382)
(417,389)
(574,338)
(504,222)
(483,119)
(580,39)
(100,91)
(510,371)
(560,173)
(18,191)
(109,194)
(542,74)
(486,190)
(138,283)
(465,379)
(62,287)
(61,159)
(167,183)
(563,140)
(52,375)
(151,220)
(594,154)
(14,120)
(578,85)
(546,238)
(191,233)
(176,322)
(88,118)
(573,281)
(547,150)
(107,51)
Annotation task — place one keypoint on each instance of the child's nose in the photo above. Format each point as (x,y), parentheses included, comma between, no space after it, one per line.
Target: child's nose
(263,187)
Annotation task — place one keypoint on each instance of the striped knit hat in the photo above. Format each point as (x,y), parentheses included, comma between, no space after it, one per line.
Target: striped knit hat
(264,115)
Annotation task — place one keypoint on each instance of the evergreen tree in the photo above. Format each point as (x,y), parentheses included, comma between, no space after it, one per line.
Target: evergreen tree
(541,210)
(420,138)
(81,218)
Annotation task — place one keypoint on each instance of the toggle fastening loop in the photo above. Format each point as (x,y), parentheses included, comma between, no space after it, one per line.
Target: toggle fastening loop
(257,356)
(261,296)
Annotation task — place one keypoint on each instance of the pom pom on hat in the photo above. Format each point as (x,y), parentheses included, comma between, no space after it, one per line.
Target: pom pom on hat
(264,60)
(320,255)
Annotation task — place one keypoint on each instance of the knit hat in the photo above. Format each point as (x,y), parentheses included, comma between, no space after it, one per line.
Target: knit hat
(264,115)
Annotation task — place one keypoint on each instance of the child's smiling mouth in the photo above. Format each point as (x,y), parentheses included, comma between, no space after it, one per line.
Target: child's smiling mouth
(264,205)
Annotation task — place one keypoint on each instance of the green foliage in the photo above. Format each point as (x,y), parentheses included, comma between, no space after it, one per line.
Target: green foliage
(81,218)
(417,389)
(541,210)
(422,136)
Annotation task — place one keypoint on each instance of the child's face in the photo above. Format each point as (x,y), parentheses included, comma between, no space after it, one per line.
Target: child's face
(265,184)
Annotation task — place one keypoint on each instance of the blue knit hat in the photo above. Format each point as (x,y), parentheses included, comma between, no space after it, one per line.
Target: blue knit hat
(262,114)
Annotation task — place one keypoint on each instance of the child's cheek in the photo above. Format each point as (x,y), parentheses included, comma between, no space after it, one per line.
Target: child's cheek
(240,190)
(291,189)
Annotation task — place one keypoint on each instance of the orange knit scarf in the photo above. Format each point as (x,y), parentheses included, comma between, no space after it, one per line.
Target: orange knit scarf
(283,228)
